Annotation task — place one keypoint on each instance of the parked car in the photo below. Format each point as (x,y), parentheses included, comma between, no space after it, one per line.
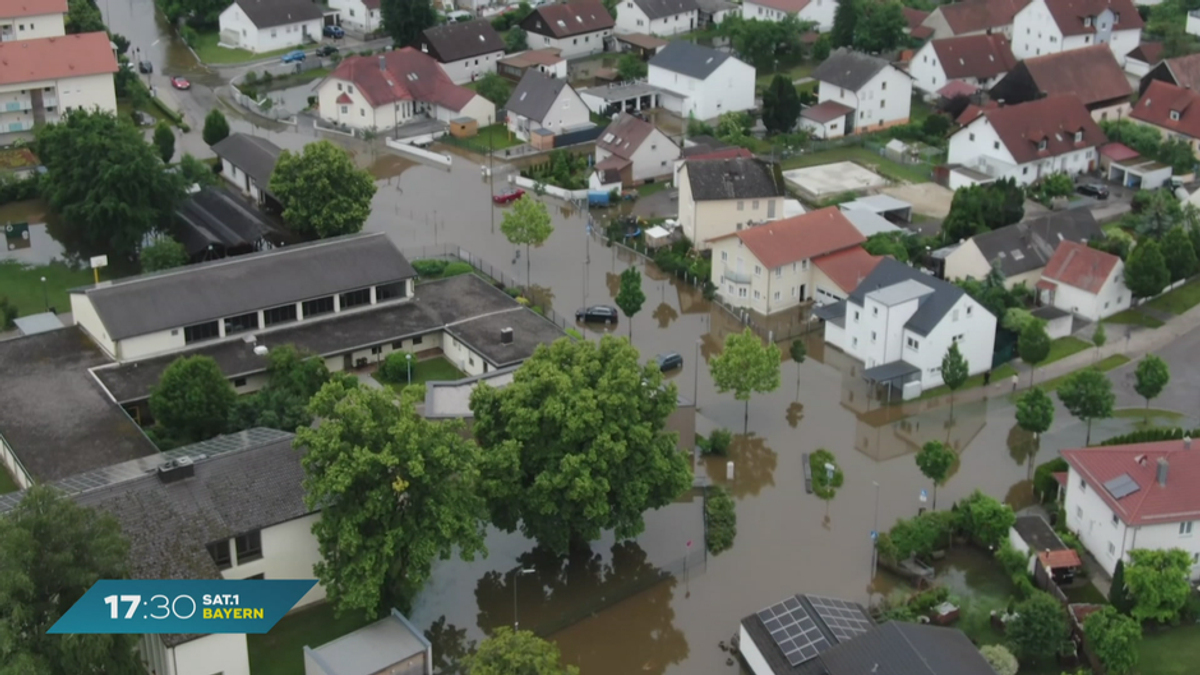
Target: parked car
(294,57)
(142,119)
(334,32)
(597,314)
(145,67)
(326,50)
(508,196)
(669,361)
(1093,190)
(180,83)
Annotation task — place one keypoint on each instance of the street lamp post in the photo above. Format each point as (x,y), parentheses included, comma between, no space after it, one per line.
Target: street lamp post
(45,296)
(517,574)
(696,376)
(875,533)
(408,361)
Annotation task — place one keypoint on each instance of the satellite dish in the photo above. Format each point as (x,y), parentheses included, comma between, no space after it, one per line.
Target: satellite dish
(260,350)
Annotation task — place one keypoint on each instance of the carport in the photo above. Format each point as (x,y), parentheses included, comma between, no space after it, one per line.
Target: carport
(1139,173)
(887,206)
(892,375)
(623,97)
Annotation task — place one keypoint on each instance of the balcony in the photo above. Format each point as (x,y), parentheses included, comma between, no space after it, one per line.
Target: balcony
(735,277)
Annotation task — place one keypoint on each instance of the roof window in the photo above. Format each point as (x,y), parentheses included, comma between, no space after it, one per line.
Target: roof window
(1042,144)
(1174,115)
(1087,21)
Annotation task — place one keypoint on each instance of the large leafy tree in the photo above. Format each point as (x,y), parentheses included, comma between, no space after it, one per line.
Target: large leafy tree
(781,105)
(1146,272)
(405,20)
(163,254)
(630,67)
(216,127)
(825,482)
(1179,254)
(577,444)
(1114,638)
(1157,580)
(105,181)
(192,400)
(746,366)
(881,28)
(955,371)
(396,493)
(934,460)
(1151,377)
(981,208)
(293,378)
(199,13)
(630,297)
(985,518)
(83,16)
(516,40)
(527,223)
(761,43)
(845,23)
(494,88)
(164,142)
(1033,344)
(509,652)
(1035,411)
(1039,628)
(1088,395)
(321,190)
(51,552)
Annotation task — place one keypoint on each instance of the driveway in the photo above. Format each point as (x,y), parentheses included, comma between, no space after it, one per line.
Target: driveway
(927,199)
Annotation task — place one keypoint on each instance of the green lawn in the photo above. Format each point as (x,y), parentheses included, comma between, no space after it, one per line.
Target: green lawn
(1000,374)
(205,46)
(293,79)
(1179,300)
(1114,361)
(430,370)
(281,652)
(793,73)
(1064,347)
(125,107)
(651,188)
(1134,317)
(23,286)
(497,135)
(883,166)
(1139,413)
(1170,651)
(7,484)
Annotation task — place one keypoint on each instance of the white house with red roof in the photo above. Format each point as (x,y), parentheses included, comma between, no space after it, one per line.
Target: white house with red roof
(632,151)
(978,60)
(1084,281)
(1050,26)
(30,19)
(777,266)
(44,77)
(1139,496)
(358,15)
(403,85)
(819,12)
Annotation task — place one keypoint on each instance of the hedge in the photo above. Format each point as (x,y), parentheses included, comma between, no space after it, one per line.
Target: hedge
(172,115)
(1151,435)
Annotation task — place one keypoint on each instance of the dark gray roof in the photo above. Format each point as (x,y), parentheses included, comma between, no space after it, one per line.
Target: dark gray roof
(737,178)
(702,145)
(690,59)
(657,9)
(933,306)
(771,652)
(535,94)
(848,69)
(1028,246)
(269,13)
(898,648)
(216,217)
(212,290)
(54,414)
(483,335)
(461,40)
(253,155)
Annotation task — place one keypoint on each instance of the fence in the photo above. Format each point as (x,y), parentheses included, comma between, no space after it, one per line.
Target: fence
(439,158)
(576,137)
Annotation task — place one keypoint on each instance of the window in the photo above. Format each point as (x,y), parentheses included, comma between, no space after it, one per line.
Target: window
(757,295)
(1116,18)
(742,292)
(1082,485)
(954,315)
(853,342)
(995,145)
(319,306)
(272,32)
(778,272)
(724,256)
(741,206)
(418,340)
(220,554)
(969,310)
(872,336)
(1185,529)
(883,86)
(754,205)
(874,311)
(971,137)
(249,547)
(882,103)
(1112,550)
(1175,115)
(339,86)
(1042,144)
(376,350)
(200,331)
(804,265)
(280,314)
(355,298)
(362,112)
(391,291)
(856,315)
(1078,136)
(776,295)
(1079,512)
(350,88)
(914,345)
(242,323)
(757,271)
(345,109)
(794,268)
(1115,520)
(239,382)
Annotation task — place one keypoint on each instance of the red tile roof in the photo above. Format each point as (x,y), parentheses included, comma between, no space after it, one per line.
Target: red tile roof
(789,6)
(958,88)
(1152,503)
(56,58)
(1185,70)
(848,267)
(407,75)
(1147,52)
(565,20)
(1160,101)
(801,237)
(914,17)
(1080,266)
(20,8)
(345,98)
(977,16)
(826,112)
(625,135)
(1118,152)
(1070,15)
(1054,560)
(972,111)
(1061,477)
(978,56)
(1090,73)
(922,32)
(1054,120)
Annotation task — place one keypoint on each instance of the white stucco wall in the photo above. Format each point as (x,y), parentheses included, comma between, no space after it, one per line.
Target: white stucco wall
(819,12)
(706,220)
(885,100)
(749,651)
(85,316)
(966,262)
(978,147)
(1091,519)
(33,27)
(742,281)
(631,19)
(289,551)
(1035,33)
(655,157)
(225,654)
(730,88)
(571,47)
(464,71)
(354,14)
(1113,297)
(234,22)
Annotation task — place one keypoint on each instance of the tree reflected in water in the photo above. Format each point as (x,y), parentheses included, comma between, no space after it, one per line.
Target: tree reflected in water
(450,647)
(753,465)
(795,413)
(664,314)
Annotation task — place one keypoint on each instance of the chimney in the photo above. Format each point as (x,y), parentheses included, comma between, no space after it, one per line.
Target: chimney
(506,336)
(176,470)
(1162,471)
(382,62)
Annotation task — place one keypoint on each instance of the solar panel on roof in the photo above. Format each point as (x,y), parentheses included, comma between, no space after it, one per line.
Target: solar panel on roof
(793,631)
(1121,486)
(844,619)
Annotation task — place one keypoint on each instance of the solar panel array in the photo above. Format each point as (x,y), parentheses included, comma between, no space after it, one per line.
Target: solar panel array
(794,631)
(1121,486)
(844,619)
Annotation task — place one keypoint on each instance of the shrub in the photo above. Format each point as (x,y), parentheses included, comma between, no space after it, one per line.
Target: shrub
(1147,436)
(924,602)
(1040,627)
(719,441)
(721,516)
(456,268)
(1044,483)
(513,292)
(574,333)
(1011,560)
(430,268)
(250,77)
(395,367)
(1000,659)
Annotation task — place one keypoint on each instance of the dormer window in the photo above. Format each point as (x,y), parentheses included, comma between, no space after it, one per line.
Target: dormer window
(1078,136)
(1087,21)
(1116,18)
(1174,115)
(1042,144)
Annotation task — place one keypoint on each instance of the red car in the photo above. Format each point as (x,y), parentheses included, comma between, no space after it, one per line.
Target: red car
(180,83)
(508,196)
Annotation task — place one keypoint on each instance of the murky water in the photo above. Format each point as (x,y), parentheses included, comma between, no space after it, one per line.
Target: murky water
(36,245)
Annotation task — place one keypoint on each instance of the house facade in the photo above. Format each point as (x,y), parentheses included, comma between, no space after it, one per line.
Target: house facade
(636,150)
(819,12)
(268,26)
(247,162)
(358,15)
(1084,281)
(657,17)
(1021,250)
(46,77)
(542,102)
(467,50)
(879,93)
(577,29)
(1181,71)
(1051,26)
(33,19)
(1091,74)
(546,61)
(973,17)
(978,60)
(1172,110)
(720,196)
(701,82)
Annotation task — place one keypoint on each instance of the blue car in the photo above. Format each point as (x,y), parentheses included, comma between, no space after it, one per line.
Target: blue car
(293,57)
(334,32)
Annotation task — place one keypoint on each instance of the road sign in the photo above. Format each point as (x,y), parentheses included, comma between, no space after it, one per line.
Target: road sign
(874,535)
(99,261)
(924,496)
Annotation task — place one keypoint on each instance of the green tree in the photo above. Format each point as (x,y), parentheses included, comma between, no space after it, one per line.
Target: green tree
(1016,318)
(798,352)
(981,208)
(1179,254)
(192,400)
(53,551)
(630,67)
(8,313)
(1118,592)
(781,105)
(577,444)
(1152,376)
(1146,272)
(734,128)
(83,16)
(1114,638)
(322,191)
(195,172)
(1035,411)
(746,366)
(1155,212)
(1088,396)
(613,6)
(955,371)
(293,378)
(527,224)
(720,513)
(405,20)
(887,243)
(1099,337)
(494,88)
(198,13)
(881,27)
(396,493)
(845,24)
(1033,344)
(630,297)
(1039,628)
(516,40)
(164,254)
(1141,138)
(509,652)
(105,182)
(984,518)
(1157,581)
(825,482)
(1000,659)
(822,47)
(216,127)
(934,460)
(1177,153)
(164,142)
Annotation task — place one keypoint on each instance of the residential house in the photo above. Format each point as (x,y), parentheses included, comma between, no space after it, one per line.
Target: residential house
(1137,496)
(713,12)
(1181,71)
(247,162)
(700,81)
(916,20)
(269,25)
(1026,142)
(778,266)
(390,646)
(878,93)
(33,19)
(699,148)
(541,102)
(1084,281)
(1192,25)
(361,16)
(978,60)
(43,78)
(900,322)
(548,62)
(1143,58)
(819,12)
(720,196)
(658,17)
(1091,74)
(578,28)
(815,635)
(636,151)
(466,49)
(642,45)
(973,17)
(1049,26)
(1021,250)
(1172,110)
(403,85)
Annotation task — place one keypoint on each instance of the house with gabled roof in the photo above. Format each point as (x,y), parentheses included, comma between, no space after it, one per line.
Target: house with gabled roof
(42,78)
(973,17)
(1084,281)
(819,12)
(1173,110)
(1021,250)
(1181,71)
(1050,26)
(978,60)
(32,19)
(269,25)
(657,17)
(1135,496)
(248,162)
(720,196)
(577,28)
(1092,74)
(701,82)
(1143,58)
(916,20)
(545,103)
(466,49)
(866,93)
(632,151)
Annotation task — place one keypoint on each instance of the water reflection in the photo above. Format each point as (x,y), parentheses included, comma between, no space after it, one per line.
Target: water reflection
(795,413)
(1022,445)
(33,244)
(664,314)
(753,465)
(450,647)
(1020,495)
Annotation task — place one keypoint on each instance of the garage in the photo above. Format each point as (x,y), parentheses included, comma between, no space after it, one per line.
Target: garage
(1138,172)
(886,206)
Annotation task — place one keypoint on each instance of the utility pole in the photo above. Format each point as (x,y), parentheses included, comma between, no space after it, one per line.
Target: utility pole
(491,184)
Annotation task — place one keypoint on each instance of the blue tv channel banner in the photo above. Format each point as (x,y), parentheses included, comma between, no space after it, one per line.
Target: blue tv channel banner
(182,606)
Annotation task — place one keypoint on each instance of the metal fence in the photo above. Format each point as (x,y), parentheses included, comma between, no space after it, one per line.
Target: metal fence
(576,137)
